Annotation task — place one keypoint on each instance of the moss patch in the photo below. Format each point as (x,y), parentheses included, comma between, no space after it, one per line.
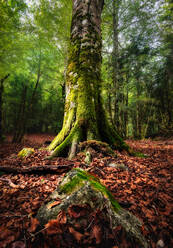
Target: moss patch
(139,155)
(25,152)
(80,178)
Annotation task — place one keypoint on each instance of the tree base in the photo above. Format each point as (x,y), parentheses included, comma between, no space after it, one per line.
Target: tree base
(70,144)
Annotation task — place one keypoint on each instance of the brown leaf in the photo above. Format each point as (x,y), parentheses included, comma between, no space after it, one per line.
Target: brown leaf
(144,231)
(97,233)
(62,217)
(4,233)
(149,214)
(18,244)
(78,236)
(77,211)
(53,227)
(34,224)
(53,204)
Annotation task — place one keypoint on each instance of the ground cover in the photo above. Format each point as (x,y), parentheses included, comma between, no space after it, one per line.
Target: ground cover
(141,185)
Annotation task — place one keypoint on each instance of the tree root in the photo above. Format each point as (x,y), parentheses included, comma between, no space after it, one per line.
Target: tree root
(79,207)
(98,146)
(59,169)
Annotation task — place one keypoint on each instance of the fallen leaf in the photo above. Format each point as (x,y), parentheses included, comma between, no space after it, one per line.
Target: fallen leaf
(62,219)
(18,244)
(53,204)
(78,236)
(34,224)
(77,211)
(97,233)
(53,227)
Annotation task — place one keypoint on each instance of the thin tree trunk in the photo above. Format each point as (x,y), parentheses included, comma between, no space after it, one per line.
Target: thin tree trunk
(1,103)
(36,84)
(110,107)
(115,55)
(126,112)
(21,119)
(26,112)
(139,111)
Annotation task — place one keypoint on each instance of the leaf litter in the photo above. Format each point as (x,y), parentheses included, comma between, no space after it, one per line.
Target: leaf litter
(145,189)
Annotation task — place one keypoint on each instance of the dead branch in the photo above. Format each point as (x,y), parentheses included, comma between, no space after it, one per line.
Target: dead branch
(46,169)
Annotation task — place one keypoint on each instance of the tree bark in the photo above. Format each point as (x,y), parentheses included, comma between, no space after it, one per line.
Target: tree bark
(21,120)
(84,116)
(115,54)
(1,103)
(26,112)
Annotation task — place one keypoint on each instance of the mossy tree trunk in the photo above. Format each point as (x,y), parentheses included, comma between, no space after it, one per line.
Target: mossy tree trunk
(84,116)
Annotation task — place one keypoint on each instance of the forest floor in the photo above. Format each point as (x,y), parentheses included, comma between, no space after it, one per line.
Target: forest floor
(145,188)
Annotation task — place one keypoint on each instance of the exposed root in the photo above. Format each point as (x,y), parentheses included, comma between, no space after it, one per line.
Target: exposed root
(69,144)
(83,207)
(98,146)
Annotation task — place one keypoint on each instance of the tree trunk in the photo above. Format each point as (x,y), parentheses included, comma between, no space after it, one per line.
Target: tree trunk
(115,54)
(26,112)
(84,117)
(138,110)
(21,120)
(126,111)
(1,103)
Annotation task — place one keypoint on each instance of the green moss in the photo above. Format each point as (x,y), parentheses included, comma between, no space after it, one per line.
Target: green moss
(67,141)
(79,179)
(74,184)
(88,158)
(139,154)
(68,121)
(25,152)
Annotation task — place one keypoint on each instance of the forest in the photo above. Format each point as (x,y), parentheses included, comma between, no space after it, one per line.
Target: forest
(86,123)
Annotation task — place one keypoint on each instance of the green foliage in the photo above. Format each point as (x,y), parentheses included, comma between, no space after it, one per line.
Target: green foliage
(10,40)
(142,95)
(34,40)
(35,56)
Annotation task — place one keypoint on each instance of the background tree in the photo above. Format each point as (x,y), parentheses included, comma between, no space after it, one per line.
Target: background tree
(140,55)
(10,13)
(40,65)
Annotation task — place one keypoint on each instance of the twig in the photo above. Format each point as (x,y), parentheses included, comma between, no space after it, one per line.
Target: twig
(10,183)
(90,224)
(24,233)
(12,216)
(35,234)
